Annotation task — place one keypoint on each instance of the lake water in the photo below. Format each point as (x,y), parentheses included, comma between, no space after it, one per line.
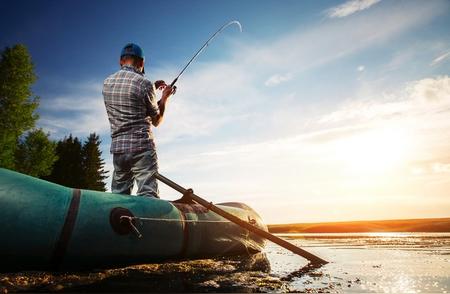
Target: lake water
(359,263)
(369,262)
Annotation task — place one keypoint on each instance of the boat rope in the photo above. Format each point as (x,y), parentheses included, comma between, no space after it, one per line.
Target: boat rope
(244,240)
(172,220)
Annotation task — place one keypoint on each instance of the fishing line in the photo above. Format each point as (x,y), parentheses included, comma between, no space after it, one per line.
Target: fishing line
(206,45)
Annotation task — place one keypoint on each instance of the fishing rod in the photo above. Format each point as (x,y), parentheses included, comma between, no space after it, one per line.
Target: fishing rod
(204,46)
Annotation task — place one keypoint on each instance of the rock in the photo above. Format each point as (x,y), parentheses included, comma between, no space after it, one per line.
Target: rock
(210,283)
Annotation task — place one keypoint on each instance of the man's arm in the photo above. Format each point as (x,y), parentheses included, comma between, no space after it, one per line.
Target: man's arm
(157,119)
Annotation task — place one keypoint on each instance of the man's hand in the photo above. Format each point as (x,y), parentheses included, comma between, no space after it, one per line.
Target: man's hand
(160,85)
(168,90)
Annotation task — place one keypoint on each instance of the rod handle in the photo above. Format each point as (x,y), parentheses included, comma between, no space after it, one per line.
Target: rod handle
(173,83)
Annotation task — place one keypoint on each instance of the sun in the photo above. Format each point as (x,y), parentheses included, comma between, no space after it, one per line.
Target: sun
(376,151)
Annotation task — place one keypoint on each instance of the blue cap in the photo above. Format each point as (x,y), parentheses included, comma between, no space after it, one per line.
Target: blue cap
(132,49)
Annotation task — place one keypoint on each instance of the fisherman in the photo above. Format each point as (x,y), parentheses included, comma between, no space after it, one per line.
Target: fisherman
(131,105)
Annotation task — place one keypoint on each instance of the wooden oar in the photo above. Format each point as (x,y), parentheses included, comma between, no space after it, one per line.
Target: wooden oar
(305,254)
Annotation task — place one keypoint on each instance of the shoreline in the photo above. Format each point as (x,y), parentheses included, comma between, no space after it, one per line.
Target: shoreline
(427,225)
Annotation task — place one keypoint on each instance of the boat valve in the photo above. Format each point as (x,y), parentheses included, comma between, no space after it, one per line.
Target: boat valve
(123,222)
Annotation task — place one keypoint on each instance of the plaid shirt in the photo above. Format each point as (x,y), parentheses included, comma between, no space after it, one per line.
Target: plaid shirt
(130,103)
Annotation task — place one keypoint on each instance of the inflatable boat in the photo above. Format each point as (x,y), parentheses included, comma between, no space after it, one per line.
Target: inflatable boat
(45,226)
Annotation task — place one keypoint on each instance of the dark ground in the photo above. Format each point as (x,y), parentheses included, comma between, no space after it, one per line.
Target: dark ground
(235,274)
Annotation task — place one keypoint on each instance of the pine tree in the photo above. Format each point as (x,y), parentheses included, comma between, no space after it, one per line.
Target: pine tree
(79,166)
(68,169)
(94,174)
(17,105)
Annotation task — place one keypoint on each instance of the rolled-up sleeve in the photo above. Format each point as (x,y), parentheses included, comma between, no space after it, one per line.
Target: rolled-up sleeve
(150,99)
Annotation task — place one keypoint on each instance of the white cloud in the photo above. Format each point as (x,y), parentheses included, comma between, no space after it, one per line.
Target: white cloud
(441,167)
(277,79)
(361,68)
(431,169)
(418,171)
(350,7)
(431,90)
(440,59)
(80,113)
(431,95)
(401,58)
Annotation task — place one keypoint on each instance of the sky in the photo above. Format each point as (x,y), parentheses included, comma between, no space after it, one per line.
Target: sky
(317,111)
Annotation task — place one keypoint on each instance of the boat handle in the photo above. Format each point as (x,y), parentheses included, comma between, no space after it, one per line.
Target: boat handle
(132,226)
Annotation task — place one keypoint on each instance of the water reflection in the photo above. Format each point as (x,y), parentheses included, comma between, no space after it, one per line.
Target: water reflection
(393,262)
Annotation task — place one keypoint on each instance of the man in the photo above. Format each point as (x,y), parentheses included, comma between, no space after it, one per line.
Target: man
(131,105)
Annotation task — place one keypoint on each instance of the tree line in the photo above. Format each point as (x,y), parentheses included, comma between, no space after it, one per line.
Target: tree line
(30,150)
(78,165)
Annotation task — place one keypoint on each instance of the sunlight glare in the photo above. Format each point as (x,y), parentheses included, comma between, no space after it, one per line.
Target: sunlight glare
(375,151)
